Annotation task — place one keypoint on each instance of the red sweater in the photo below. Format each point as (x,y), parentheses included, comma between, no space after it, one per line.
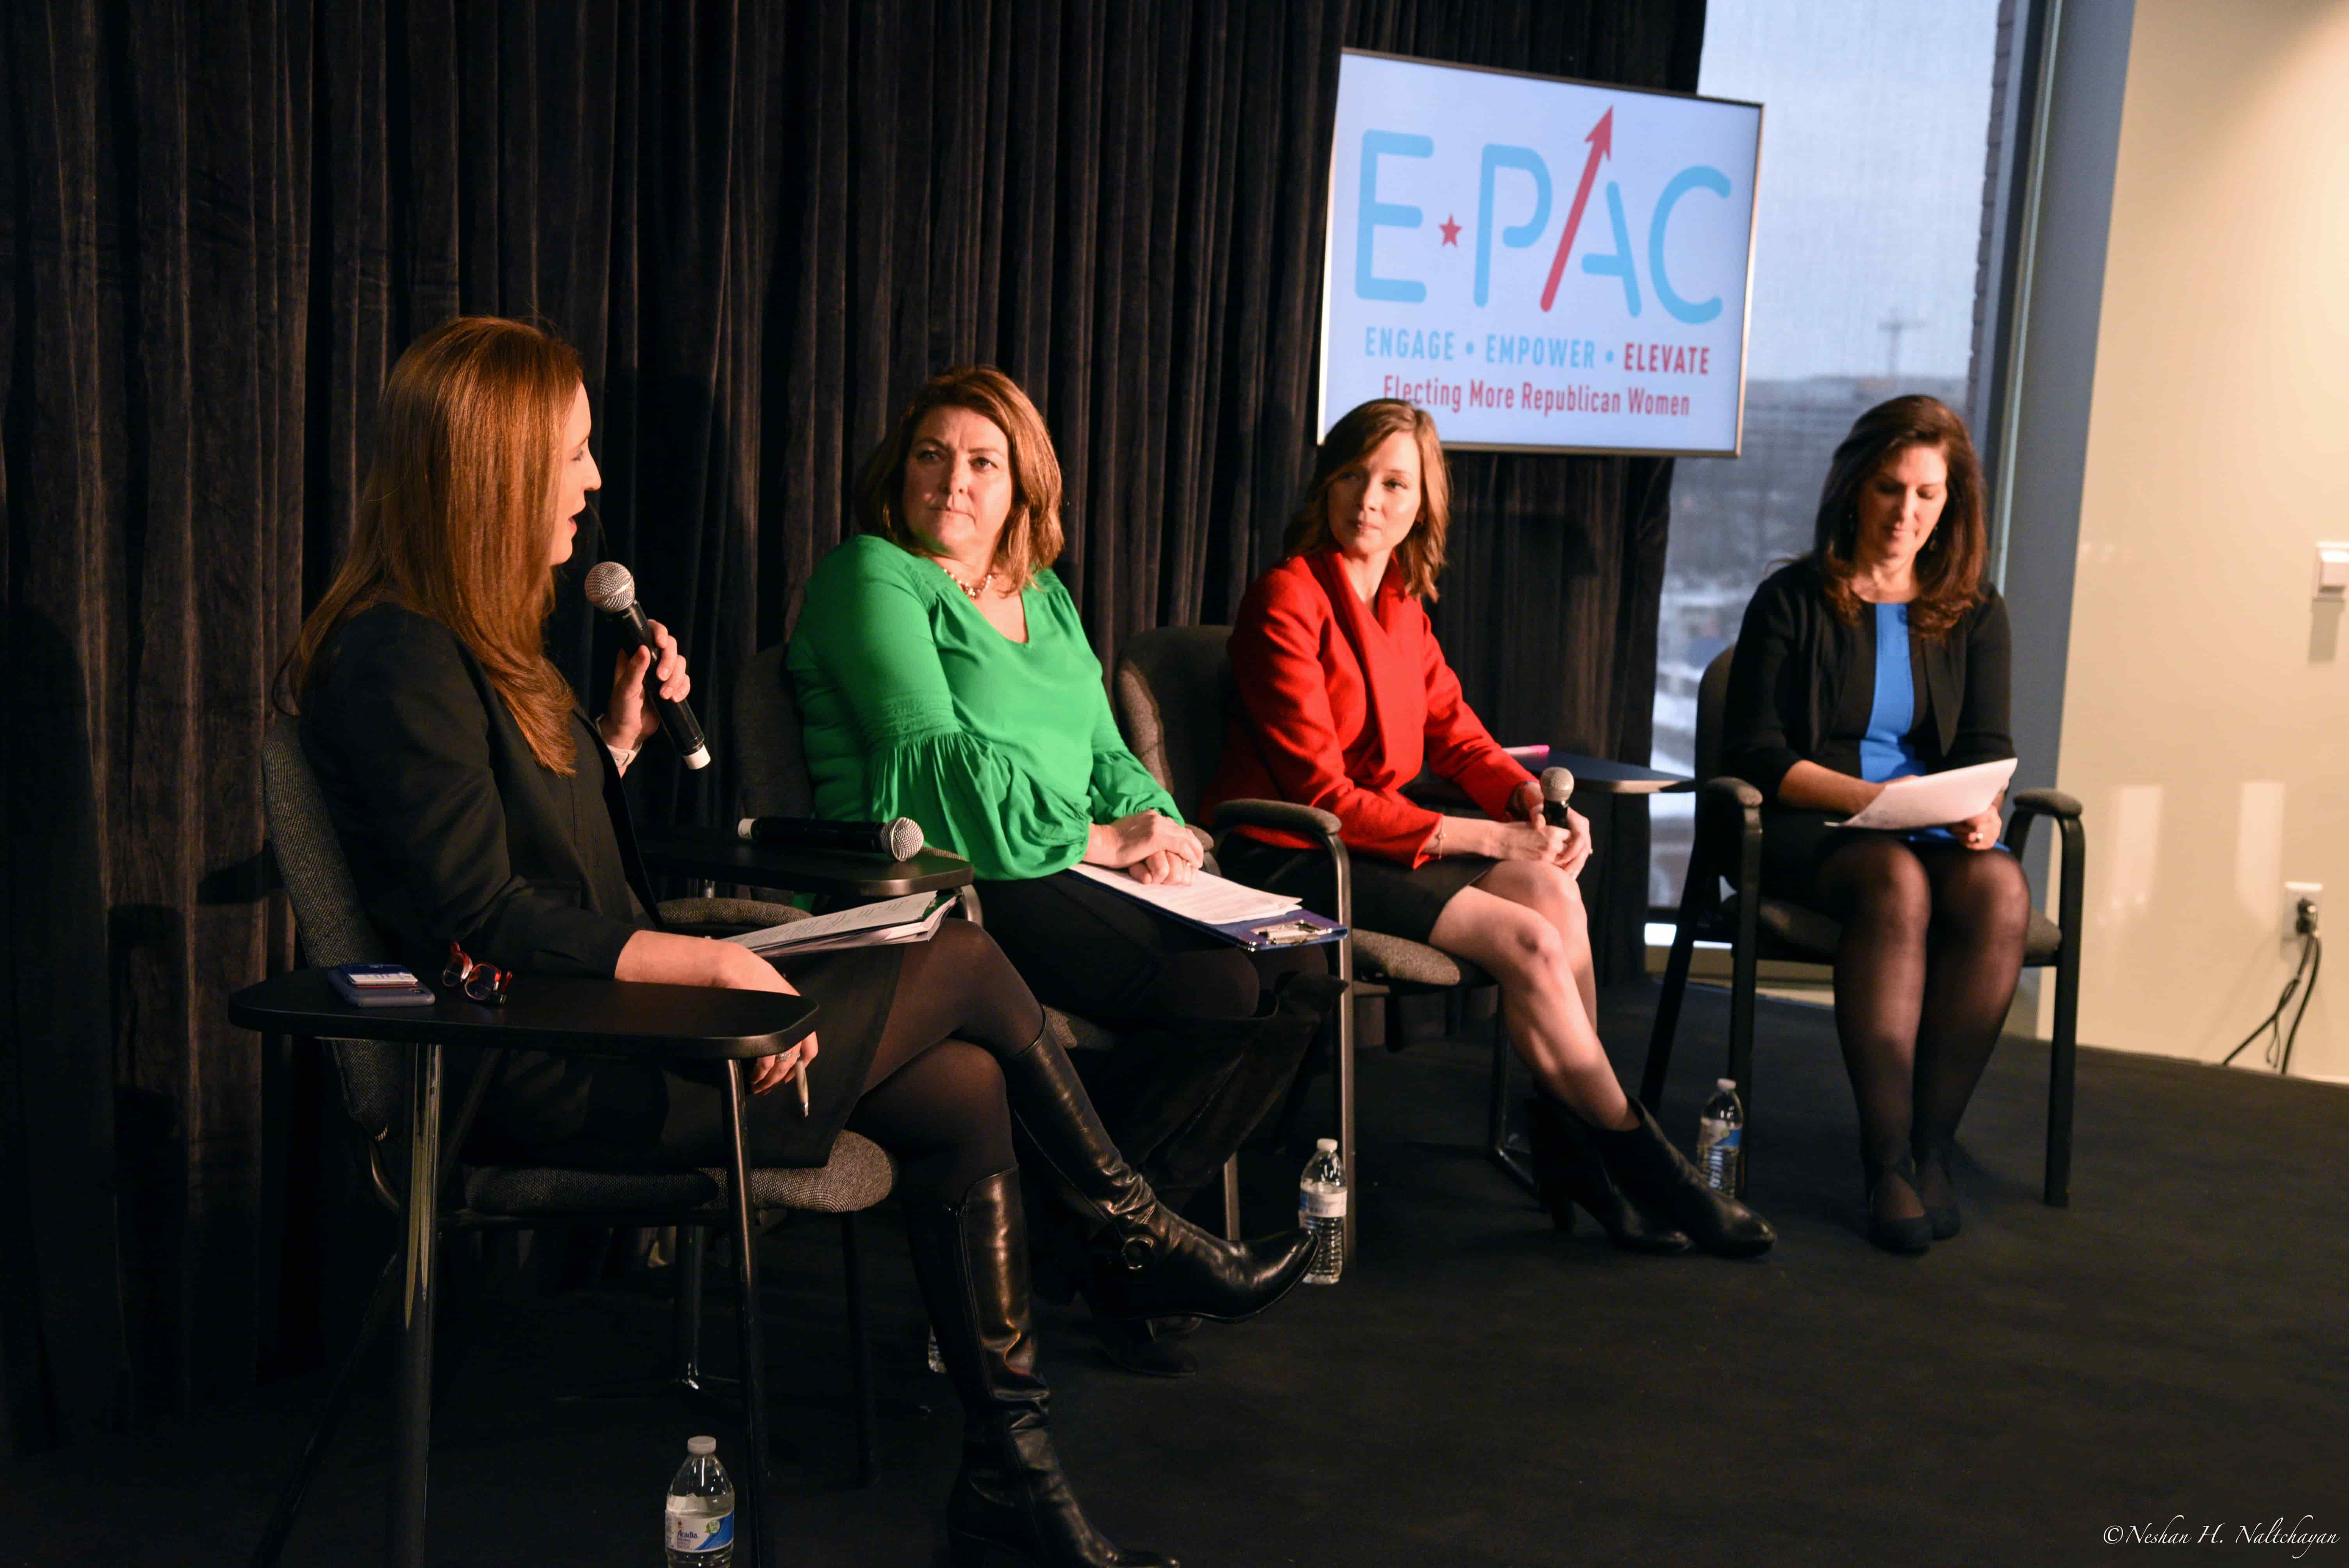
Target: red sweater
(1341,703)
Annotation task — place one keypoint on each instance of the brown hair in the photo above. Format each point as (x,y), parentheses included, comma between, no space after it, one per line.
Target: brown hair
(1031,534)
(456,519)
(1950,567)
(1354,438)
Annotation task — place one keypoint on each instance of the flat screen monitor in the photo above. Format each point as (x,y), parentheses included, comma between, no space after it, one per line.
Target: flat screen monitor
(1545,265)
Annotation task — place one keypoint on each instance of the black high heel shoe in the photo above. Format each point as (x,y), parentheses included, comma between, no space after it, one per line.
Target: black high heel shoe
(1908,1235)
(1570,1173)
(1142,1259)
(1660,1178)
(1933,1172)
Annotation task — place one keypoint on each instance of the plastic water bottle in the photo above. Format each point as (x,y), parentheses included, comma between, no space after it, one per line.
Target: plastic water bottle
(701,1526)
(1321,1209)
(935,1362)
(1720,1140)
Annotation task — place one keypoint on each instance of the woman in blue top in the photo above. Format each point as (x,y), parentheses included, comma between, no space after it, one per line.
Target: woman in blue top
(1882,654)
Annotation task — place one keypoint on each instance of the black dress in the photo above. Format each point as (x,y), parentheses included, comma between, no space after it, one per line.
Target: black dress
(455,832)
(1801,687)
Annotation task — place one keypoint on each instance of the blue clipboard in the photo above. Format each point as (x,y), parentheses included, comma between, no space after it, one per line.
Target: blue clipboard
(1292,928)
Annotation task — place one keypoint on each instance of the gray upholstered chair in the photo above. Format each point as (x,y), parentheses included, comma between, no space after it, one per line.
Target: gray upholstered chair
(1729,846)
(773,760)
(334,928)
(1174,694)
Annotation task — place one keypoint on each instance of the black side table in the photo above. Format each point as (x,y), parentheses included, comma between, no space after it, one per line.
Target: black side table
(598,1017)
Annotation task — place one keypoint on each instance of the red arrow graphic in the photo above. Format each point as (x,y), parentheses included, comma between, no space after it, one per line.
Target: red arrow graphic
(1602,145)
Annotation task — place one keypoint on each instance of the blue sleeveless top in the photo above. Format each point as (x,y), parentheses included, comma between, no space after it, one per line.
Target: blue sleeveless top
(1885,752)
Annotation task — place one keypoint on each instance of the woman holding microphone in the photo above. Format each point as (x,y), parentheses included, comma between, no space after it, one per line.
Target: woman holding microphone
(478,805)
(1344,694)
(942,674)
(1880,655)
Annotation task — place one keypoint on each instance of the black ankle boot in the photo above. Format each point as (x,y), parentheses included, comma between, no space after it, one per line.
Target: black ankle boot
(1908,1235)
(1660,1178)
(1011,1501)
(1571,1172)
(1932,1166)
(1144,1260)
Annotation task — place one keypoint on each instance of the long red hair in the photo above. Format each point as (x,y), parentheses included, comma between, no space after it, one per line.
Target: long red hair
(456,520)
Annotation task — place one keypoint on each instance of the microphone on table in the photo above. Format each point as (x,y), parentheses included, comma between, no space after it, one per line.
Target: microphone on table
(612,590)
(899,839)
(1557,789)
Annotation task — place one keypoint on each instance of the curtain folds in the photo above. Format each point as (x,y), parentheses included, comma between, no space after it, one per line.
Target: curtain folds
(761,226)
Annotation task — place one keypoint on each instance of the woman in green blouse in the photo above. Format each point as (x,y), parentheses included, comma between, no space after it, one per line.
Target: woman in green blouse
(942,674)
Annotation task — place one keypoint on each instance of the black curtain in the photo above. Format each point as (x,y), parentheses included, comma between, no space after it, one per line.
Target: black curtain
(761,226)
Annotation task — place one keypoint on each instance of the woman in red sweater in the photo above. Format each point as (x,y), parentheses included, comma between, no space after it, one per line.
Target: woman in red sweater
(1344,694)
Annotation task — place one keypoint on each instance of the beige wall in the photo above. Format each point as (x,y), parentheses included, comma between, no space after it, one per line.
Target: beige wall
(2205,710)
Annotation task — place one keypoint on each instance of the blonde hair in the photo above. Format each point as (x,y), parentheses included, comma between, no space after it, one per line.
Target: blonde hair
(1358,433)
(1031,535)
(456,520)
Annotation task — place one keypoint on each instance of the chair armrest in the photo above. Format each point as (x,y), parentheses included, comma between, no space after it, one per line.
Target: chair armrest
(1282,816)
(1735,806)
(1306,822)
(742,914)
(2072,838)
(714,854)
(2048,803)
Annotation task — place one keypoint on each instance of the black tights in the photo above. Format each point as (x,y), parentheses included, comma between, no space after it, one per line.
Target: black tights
(1932,944)
(937,1102)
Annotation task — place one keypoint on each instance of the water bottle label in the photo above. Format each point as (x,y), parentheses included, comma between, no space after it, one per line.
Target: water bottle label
(1322,1205)
(700,1531)
(1714,1135)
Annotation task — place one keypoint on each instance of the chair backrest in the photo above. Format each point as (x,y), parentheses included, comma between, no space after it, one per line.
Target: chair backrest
(1712,701)
(335,927)
(769,757)
(1174,690)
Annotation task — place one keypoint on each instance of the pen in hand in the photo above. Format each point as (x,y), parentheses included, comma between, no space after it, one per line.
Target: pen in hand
(804,1088)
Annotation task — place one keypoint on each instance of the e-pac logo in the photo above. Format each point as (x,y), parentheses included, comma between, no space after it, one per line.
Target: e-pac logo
(1373,214)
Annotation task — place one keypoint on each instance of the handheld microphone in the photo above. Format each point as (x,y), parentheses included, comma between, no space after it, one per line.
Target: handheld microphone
(612,590)
(896,840)
(1556,788)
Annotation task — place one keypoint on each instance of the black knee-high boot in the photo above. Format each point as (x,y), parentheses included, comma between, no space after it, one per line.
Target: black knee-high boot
(1010,1497)
(1143,1259)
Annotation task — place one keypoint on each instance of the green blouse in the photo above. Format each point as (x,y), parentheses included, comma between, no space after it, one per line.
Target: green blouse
(913,706)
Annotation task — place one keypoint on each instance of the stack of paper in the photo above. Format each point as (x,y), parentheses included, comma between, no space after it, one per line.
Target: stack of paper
(1207,899)
(1934,799)
(914,918)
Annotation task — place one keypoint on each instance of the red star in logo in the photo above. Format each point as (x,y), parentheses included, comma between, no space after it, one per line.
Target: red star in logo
(1451,230)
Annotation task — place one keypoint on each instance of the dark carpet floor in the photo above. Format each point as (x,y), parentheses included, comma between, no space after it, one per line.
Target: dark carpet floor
(2170,1351)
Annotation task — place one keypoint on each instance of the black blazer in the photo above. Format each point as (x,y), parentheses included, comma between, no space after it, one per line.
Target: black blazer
(453,831)
(1803,682)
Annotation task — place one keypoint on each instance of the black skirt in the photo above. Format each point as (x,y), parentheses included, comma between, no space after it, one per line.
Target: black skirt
(609,1113)
(1387,898)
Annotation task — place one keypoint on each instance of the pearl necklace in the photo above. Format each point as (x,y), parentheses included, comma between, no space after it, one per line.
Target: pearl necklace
(973,594)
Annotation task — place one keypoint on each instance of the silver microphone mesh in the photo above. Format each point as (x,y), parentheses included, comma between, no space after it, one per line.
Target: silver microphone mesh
(1556,784)
(610,588)
(905,839)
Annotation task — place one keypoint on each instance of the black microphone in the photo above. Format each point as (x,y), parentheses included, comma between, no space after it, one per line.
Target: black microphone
(611,590)
(1557,789)
(897,840)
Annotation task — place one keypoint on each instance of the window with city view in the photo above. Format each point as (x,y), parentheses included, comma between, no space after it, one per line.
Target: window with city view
(1875,138)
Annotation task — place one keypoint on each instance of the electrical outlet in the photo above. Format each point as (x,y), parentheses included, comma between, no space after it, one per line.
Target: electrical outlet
(2295,894)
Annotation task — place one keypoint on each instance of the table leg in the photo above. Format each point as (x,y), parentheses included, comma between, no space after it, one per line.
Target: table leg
(753,1470)
(412,1434)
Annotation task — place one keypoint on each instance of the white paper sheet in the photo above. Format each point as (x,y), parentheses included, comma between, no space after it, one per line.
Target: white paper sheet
(851,927)
(1934,799)
(1207,899)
